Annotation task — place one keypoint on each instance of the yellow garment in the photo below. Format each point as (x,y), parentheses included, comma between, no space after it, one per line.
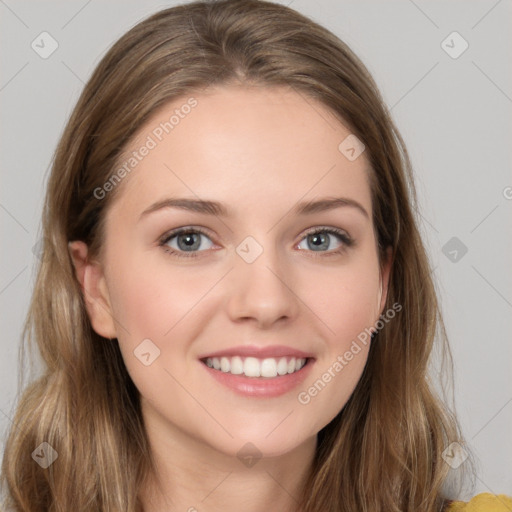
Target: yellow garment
(484,502)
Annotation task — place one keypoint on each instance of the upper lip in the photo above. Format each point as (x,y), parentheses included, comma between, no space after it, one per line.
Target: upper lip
(259,352)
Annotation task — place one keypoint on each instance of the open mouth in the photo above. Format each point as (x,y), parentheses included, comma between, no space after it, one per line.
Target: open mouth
(268,367)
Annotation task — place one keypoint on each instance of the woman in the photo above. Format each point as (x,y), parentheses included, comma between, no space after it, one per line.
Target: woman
(234,304)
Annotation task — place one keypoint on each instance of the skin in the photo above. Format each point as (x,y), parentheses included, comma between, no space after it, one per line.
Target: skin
(258,151)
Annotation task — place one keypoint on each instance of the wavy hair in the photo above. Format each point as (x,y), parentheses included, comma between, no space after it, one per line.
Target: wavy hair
(383,451)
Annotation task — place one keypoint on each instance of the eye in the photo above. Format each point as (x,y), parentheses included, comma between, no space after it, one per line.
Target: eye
(184,242)
(320,240)
(188,242)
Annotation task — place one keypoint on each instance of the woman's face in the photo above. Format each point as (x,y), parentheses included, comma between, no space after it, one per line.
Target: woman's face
(250,174)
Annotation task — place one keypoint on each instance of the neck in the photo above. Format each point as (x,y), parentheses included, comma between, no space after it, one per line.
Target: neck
(189,475)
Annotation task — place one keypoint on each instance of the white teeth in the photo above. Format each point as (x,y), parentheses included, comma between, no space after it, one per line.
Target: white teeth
(225,364)
(237,365)
(252,367)
(269,368)
(282,366)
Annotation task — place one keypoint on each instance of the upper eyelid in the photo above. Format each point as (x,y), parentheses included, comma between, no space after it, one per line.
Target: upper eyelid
(179,231)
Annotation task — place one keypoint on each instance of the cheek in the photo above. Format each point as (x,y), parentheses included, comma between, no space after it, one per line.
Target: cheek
(150,302)
(149,296)
(166,304)
(143,305)
(347,303)
(347,300)
(152,298)
(347,306)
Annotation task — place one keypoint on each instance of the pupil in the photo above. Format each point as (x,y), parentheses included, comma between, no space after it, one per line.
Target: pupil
(320,240)
(189,241)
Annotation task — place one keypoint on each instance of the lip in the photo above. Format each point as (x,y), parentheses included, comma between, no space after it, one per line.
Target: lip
(260,352)
(261,387)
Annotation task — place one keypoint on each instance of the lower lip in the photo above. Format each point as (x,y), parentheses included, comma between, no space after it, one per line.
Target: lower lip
(264,387)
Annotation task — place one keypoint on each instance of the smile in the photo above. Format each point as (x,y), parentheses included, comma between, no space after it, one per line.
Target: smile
(269,367)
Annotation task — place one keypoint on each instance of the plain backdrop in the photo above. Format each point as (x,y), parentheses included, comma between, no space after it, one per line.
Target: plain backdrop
(452,104)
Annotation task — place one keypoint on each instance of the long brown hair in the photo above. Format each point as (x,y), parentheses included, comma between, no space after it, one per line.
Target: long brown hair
(383,450)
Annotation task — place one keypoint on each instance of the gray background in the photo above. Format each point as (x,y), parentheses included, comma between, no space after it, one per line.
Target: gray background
(455,116)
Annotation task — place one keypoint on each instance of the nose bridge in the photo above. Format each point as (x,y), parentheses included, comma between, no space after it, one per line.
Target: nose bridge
(261,288)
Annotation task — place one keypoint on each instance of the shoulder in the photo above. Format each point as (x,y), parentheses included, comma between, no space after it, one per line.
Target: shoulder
(484,502)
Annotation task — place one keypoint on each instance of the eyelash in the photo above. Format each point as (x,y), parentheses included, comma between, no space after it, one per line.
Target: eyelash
(345,239)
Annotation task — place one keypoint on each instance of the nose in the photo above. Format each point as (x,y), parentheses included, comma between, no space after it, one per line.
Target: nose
(263,291)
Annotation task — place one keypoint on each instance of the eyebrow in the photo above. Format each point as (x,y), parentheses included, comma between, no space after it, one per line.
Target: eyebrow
(218,209)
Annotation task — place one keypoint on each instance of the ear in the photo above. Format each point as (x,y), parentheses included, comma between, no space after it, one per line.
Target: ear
(94,287)
(385,271)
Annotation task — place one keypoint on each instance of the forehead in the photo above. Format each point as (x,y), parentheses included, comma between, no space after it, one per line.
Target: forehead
(248,147)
